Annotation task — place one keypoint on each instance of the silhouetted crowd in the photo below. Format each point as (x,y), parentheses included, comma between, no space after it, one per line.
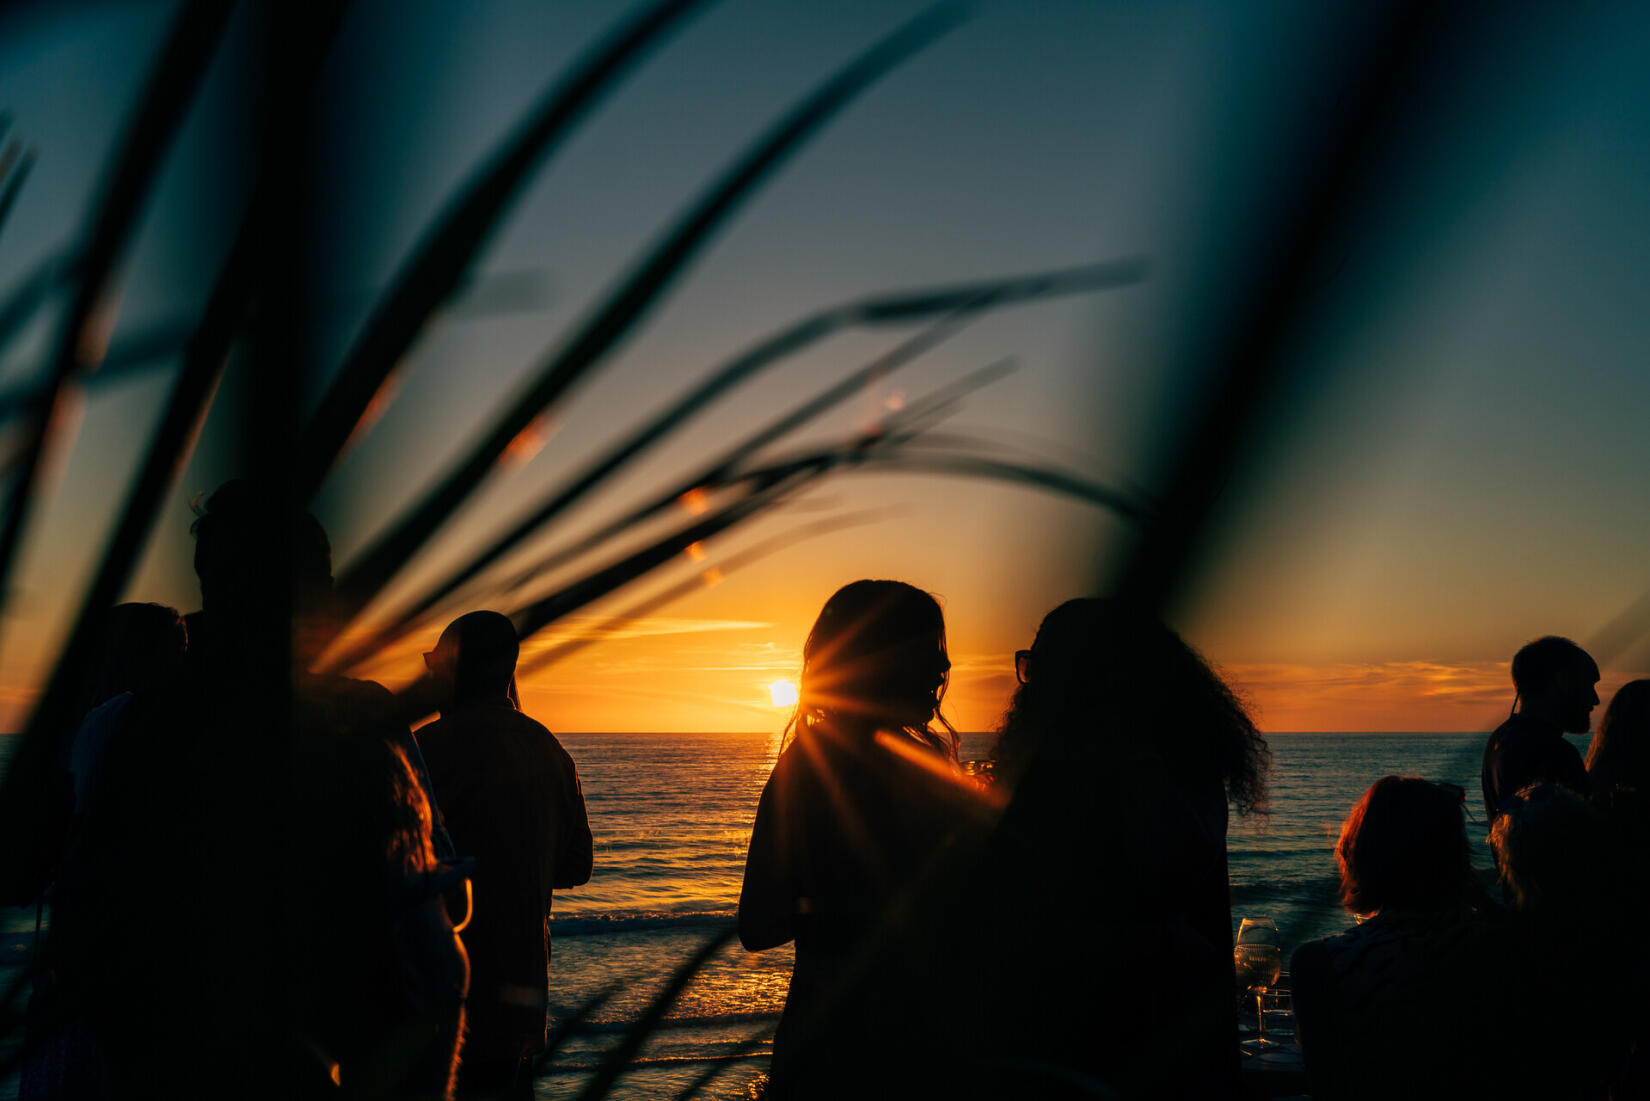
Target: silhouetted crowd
(266,886)
(1440,988)
(263,884)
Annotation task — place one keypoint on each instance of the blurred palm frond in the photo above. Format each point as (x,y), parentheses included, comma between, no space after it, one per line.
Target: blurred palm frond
(154,347)
(710,575)
(716,1070)
(444,255)
(15,166)
(958,304)
(361,581)
(573,1024)
(618,1060)
(172,83)
(31,292)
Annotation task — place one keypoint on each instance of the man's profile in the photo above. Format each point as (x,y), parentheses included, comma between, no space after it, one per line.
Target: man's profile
(1556,690)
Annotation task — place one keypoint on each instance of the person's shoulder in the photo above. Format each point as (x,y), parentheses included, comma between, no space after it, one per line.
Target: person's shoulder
(524,730)
(436,730)
(510,718)
(1311,959)
(1376,930)
(1512,729)
(794,761)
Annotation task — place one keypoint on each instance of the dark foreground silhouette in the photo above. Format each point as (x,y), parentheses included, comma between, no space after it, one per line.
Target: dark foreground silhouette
(1123,749)
(255,871)
(513,804)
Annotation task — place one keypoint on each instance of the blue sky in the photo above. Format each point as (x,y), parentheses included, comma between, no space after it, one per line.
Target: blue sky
(1459,462)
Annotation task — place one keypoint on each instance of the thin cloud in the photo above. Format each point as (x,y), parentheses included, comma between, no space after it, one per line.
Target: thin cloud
(1395,695)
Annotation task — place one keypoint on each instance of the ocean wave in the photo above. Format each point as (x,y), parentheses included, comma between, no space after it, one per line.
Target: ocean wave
(598,924)
(1317,889)
(712,1020)
(560,1067)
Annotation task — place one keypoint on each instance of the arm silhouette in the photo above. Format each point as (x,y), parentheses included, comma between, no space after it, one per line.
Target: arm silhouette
(769,896)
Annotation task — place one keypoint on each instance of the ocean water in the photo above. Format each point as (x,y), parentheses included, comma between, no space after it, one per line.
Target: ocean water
(672,813)
(672,816)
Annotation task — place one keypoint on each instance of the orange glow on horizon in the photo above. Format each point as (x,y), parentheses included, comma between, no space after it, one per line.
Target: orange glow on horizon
(1389,696)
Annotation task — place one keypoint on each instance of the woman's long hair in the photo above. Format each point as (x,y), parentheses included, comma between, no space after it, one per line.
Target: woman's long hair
(1110,682)
(875,642)
(1619,756)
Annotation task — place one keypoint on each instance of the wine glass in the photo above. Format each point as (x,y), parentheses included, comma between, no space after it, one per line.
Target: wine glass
(1259,961)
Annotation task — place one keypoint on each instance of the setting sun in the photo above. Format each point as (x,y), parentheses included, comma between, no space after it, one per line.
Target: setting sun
(783,693)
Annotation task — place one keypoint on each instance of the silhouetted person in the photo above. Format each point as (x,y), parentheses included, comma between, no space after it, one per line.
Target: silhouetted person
(1619,754)
(1618,767)
(1415,1000)
(861,802)
(249,906)
(513,803)
(1554,683)
(140,651)
(1106,885)
(247,612)
(1569,883)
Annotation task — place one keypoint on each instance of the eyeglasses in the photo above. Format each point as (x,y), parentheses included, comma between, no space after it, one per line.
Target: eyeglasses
(1022,665)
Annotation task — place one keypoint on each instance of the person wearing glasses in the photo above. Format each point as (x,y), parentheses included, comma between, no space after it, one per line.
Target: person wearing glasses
(512,800)
(862,803)
(1122,749)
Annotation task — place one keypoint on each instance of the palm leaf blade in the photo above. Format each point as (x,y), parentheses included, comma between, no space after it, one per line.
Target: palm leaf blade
(620,313)
(442,258)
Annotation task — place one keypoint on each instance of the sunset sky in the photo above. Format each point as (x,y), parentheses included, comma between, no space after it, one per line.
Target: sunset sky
(1459,461)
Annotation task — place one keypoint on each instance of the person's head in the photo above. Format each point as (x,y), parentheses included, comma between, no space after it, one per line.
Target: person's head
(1554,680)
(1404,844)
(1553,849)
(876,657)
(1619,755)
(475,658)
(1102,676)
(142,646)
(254,557)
